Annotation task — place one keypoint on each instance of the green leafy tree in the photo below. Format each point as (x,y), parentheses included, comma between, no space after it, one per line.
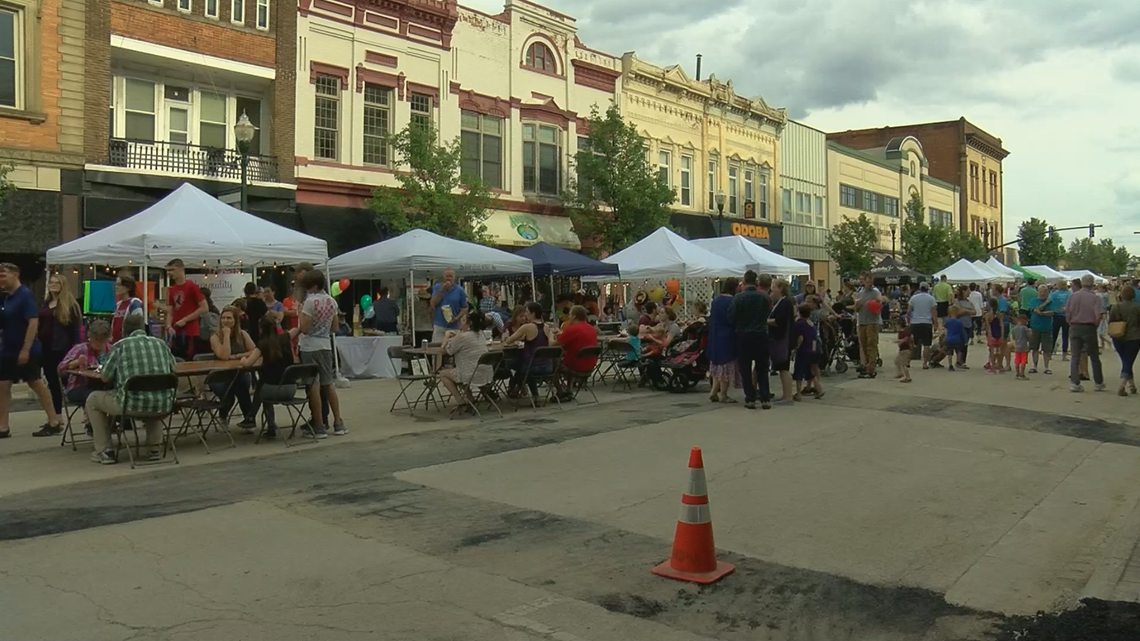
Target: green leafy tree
(7,187)
(963,244)
(615,197)
(1102,257)
(432,195)
(926,248)
(850,244)
(1036,246)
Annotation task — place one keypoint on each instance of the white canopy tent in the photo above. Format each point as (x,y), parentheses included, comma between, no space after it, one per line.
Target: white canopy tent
(192,225)
(664,254)
(1048,273)
(753,256)
(1080,273)
(1009,273)
(964,271)
(982,266)
(427,254)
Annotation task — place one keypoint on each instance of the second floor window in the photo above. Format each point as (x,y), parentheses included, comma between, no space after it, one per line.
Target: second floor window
(213,128)
(212,8)
(664,175)
(482,141)
(803,208)
(263,15)
(712,184)
(847,197)
(237,11)
(139,119)
(973,181)
(542,160)
(185,5)
(539,56)
(871,202)
(421,110)
(749,186)
(377,120)
(891,206)
(686,181)
(326,121)
(733,189)
(786,205)
(993,188)
(819,211)
(11,63)
(762,205)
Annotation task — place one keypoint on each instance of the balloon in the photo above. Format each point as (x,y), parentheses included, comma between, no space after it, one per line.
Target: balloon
(289,303)
(657,294)
(875,307)
(673,286)
(335,291)
(366,302)
(344,283)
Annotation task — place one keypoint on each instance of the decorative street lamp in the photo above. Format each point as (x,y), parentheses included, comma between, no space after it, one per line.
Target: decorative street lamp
(720,213)
(894,228)
(244,131)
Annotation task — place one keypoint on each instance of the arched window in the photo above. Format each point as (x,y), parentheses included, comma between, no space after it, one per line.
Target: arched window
(539,56)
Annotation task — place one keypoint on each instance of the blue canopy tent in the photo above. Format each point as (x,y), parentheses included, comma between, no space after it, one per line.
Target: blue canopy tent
(554,261)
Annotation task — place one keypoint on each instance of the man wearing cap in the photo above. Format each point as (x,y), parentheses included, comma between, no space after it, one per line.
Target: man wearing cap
(1084,312)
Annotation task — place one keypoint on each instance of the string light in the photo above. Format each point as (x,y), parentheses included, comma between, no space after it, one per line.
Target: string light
(74,270)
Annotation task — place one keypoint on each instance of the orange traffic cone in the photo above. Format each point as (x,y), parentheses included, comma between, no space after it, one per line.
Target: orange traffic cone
(694,554)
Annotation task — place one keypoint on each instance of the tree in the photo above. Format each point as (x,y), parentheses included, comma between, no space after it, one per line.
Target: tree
(7,187)
(615,198)
(963,244)
(850,244)
(1102,257)
(925,248)
(432,195)
(1035,244)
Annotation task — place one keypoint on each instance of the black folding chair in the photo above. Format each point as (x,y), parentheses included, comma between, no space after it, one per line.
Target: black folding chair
(612,354)
(622,369)
(69,413)
(301,376)
(128,416)
(553,355)
(398,357)
(576,382)
(472,396)
(208,411)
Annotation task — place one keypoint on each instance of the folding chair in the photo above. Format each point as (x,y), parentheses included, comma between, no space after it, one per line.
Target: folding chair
(612,354)
(301,376)
(621,367)
(553,354)
(139,384)
(578,381)
(208,411)
(69,412)
(475,395)
(397,356)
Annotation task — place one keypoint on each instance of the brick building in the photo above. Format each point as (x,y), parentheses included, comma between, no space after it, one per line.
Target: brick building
(166,81)
(41,126)
(959,153)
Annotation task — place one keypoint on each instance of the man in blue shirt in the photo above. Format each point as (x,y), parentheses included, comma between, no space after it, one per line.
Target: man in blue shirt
(449,306)
(19,347)
(1041,339)
(1057,302)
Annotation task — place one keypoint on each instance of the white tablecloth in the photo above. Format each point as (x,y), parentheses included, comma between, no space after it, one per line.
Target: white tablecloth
(366,356)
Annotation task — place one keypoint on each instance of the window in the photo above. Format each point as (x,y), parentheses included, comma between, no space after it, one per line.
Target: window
(803,208)
(177,114)
(421,111)
(11,63)
(212,127)
(185,5)
(891,206)
(542,159)
(377,121)
(973,181)
(251,107)
(749,188)
(212,9)
(871,202)
(326,121)
(539,56)
(482,138)
(912,169)
(263,15)
(941,217)
(993,189)
(819,211)
(156,2)
(237,11)
(664,175)
(712,185)
(786,206)
(847,197)
(733,188)
(686,181)
(763,205)
(140,110)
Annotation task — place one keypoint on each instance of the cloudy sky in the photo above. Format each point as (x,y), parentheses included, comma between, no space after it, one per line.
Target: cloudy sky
(1057,80)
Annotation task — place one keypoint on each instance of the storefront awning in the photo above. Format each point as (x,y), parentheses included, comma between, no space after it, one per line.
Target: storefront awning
(514,229)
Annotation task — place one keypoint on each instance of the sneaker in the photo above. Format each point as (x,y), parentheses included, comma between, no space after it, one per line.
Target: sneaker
(1100,387)
(105,458)
(785,402)
(248,425)
(47,429)
(322,434)
(765,406)
(749,405)
(90,431)
(1122,392)
(155,455)
(950,369)
(339,429)
(1033,370)
(1077,389)
(307,432)
(1048,372)
(963,367)
(271,432)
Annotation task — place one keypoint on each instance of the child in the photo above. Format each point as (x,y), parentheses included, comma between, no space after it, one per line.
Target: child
(634,353)
(955,336)
(993,322)
(805,333)
(906,344)
(1021,345)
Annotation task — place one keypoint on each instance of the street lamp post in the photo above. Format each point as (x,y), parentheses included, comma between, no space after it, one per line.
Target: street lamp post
(244,132)
(894,228)
(720,213)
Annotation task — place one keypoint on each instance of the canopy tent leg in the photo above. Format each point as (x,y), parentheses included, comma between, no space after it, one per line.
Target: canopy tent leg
(146,301)
(553,318)
(412,307)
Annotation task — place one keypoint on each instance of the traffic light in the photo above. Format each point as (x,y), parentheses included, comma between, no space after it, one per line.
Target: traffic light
(1052,231)
(1092,230)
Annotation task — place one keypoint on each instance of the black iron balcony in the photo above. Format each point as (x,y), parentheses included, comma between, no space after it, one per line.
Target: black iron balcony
(189,160)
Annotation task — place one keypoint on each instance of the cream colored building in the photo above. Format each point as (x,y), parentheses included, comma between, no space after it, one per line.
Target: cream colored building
(704,139)
(803,198)
(516,88)
(880,183)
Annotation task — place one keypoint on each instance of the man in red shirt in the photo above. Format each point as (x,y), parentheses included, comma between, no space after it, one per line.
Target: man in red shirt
(578,334)
(186,304)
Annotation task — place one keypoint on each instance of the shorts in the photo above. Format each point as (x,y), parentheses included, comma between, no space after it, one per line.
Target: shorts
(943,309)
(323,359)
(923,334)
(994,342)
(11,370)
(1044,341)
(1020,358)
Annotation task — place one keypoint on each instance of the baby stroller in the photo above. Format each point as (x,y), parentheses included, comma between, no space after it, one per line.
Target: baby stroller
(844,345)
(684,363)
(834,345)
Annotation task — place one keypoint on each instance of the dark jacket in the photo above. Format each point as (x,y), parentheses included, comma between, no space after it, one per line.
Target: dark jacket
(749,311)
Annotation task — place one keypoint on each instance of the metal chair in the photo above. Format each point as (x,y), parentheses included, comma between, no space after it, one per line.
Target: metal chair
(69,412)
(612,354)
(143,384)
(397,356)
(622,367)
(553,355)
(579,381)
(208,411)
(301,376)
(484,393)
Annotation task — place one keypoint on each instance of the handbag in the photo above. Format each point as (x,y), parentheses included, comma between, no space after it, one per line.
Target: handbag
(1117,329)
